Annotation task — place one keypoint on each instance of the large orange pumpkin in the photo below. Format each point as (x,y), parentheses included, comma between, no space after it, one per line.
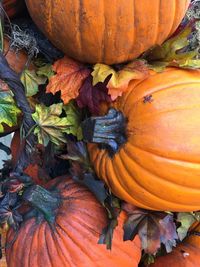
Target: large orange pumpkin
(13,7)
(158,167)
(107,31)
(70,236)
(186,254)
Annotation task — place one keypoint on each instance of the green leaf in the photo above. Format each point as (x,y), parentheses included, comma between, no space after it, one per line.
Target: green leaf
(49,125)
(174,52)
(186,219)
(74,119)
(46,71)
(31,81)
(8,110)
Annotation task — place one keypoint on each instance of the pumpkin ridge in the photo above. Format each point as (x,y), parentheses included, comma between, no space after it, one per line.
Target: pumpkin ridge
(58,247)
(41,231)
(46,229)
(138,184)
(173,20)
(155,153)
(159,90)
(119,181)
(80,246)
(31,246)
(67,250)
(186,188)
(168,111)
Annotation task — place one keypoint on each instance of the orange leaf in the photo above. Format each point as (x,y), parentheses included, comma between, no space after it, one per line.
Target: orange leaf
(68,79)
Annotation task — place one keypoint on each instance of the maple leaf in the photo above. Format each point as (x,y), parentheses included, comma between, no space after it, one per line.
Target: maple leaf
(8,110)
(31,81)
(119,80)
(186,219)
(74,119)
(46,71)
(49,125)
(153,228)
(8,211)
(92,96)
(68,79)
(174,52)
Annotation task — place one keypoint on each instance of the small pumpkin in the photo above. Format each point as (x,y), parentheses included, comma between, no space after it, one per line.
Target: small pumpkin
(13,7)
(186,254)
(67,235)
(107,31)
(158,166)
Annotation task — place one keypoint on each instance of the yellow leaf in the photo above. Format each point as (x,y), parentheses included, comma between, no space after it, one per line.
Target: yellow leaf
(119,80)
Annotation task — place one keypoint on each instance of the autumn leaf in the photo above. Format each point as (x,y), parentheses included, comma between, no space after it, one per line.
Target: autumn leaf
(49,126)
(9,112)
(119,80)
(92,96)
(174,52)
(74,120)
(46,71)
(31,81)
(153,228)
(186,219)
(68,79)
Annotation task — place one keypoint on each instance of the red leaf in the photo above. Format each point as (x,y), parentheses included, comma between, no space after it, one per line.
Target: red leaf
(92,96)
(68,79)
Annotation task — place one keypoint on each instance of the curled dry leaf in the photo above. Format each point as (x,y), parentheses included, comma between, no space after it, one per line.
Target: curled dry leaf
(68,79)
(92,96)
(175,52)
(154,228)
(119,80)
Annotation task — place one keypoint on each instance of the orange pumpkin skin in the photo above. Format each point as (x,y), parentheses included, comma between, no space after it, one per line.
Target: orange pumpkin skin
(158,168)
(72,240)
(107,31)
(186,254)
(13,7)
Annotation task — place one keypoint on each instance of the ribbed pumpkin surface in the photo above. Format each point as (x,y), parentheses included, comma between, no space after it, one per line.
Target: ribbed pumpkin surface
(187,254)
(13,7)
(159,166)
(107,31)
(72,242)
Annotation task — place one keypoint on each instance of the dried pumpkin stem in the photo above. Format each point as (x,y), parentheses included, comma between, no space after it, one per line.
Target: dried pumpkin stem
(43,201)
(108,130)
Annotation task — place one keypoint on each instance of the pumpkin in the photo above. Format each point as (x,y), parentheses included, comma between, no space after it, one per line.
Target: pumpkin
(107,31)
(186,254)
(13,7)
(3,259)
(158,166)
(32,169)
(68,234)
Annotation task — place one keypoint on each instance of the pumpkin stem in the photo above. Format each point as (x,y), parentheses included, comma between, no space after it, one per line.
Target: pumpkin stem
(42,200)
(108,130)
